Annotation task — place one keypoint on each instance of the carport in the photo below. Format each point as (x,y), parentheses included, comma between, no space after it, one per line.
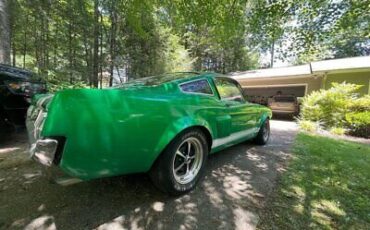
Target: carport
(260,85)
(303,79)
(298,90)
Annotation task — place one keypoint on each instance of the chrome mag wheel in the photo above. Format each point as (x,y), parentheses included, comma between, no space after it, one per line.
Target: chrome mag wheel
(188,160)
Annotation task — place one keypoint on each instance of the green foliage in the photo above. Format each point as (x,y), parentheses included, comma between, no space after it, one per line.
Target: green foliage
(54,86)
(176,58)
(309,126)
(330,29)
(329,106)
(77,40)
(337,108)
(361,104)
(359,123)
(337,131)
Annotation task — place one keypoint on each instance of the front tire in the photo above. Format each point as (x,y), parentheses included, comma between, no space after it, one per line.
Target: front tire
(263,135)
(181,165)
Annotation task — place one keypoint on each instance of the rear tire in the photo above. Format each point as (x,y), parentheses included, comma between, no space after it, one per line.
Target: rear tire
(5,128)
(179,167)
(263,135)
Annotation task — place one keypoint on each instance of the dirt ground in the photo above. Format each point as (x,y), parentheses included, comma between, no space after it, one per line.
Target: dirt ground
(234,190)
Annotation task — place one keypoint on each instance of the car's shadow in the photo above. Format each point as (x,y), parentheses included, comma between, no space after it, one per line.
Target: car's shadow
(235,186)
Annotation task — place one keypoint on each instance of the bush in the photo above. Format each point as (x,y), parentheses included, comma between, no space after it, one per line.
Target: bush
(337,108)
(54,87)
(309,126)
(337,131)
(359,123)
(361,104)
(329,106)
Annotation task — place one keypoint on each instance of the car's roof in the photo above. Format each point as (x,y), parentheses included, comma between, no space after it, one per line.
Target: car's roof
(169,78)
(15,71)
(163,78)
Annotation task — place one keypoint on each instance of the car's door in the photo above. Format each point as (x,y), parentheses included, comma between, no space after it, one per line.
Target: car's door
(243,114)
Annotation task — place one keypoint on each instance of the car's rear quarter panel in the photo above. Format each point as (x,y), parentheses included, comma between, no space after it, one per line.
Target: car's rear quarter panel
(112,132)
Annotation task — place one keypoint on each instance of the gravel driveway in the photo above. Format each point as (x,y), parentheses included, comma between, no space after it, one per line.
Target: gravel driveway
(236,185)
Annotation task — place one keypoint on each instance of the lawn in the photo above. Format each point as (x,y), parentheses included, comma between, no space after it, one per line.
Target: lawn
(326,186)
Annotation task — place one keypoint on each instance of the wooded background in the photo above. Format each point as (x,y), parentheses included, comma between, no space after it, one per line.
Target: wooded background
(79,41)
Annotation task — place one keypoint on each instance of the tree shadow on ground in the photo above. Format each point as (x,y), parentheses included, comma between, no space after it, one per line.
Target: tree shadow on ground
(235,186)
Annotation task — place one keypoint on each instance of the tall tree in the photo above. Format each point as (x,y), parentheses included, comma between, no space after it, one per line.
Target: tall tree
(4,32)
(267,23)
(95,66)
(330,29)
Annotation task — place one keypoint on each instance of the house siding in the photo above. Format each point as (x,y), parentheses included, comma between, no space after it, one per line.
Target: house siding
(358,78)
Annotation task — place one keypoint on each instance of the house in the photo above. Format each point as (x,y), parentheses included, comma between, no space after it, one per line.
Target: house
(303,79)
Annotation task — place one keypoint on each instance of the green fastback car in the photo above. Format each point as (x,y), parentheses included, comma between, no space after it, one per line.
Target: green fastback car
(164,125)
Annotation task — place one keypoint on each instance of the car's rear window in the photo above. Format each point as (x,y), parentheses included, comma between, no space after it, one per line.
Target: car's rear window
(198,86)
(284,99)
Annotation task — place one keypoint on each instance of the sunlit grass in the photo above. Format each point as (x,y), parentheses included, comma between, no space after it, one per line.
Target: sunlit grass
(327,186)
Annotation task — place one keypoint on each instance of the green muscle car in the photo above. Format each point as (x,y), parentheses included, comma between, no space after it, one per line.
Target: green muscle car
(165,125)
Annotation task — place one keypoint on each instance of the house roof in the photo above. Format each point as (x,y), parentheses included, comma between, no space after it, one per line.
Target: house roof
(341,64)
(274,72)
(335,65)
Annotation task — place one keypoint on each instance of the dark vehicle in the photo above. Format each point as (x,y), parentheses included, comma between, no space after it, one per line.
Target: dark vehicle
(17,86)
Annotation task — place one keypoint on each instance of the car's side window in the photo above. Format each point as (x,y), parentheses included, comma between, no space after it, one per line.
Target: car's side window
(198,87)
(228,90)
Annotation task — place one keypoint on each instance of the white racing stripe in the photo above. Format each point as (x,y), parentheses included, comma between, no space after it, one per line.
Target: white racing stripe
(233,137)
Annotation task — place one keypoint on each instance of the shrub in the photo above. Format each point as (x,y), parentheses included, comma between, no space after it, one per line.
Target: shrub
(359,123)
(337,131)
(54,87)
(337,108)
(329,106)
(309,126)
(361,104)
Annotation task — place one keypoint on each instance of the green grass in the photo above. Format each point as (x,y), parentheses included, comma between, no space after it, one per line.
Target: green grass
(326,186)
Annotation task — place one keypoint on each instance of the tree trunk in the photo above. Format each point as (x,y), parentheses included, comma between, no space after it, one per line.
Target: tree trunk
(47,39)
(4,32)
(14,55)
(25,44)
(95,71)
(70,50)
(101,52)
(113,18)
(272,53)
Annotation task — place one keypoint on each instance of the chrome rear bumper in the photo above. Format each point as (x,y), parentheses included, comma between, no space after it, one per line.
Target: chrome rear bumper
(41,149)
(44,151)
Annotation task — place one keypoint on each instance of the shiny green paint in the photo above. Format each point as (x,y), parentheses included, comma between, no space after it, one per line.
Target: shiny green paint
(123,130)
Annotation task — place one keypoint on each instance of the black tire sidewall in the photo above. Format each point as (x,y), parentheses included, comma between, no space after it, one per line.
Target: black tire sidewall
(169,182)
(260,136)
